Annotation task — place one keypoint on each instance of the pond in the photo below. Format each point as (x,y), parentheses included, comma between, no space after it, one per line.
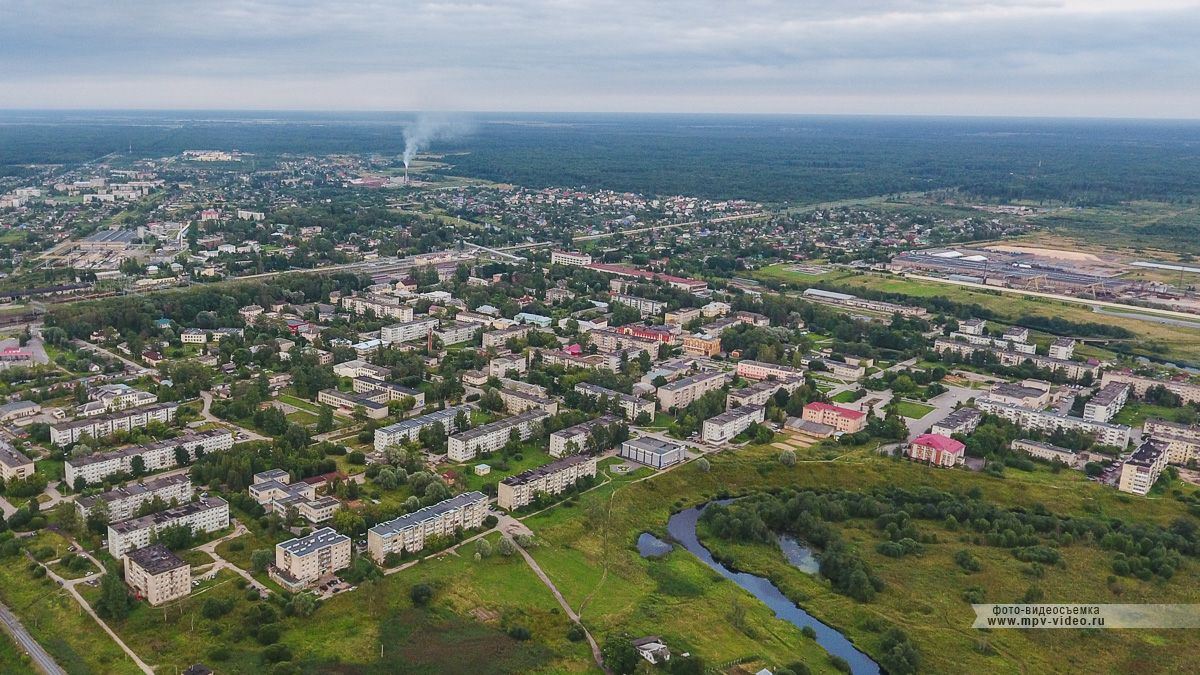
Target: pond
(799,555)
(682,528)
(650,546)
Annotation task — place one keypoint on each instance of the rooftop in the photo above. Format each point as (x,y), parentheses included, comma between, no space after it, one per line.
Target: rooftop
(653,445)
(156,559)
(322,538)
(135,524)
(547,469)
(397,525)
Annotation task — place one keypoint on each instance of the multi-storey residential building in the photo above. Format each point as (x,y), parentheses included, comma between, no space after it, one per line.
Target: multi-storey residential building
(409,532)
(157,574)
(66,433)
(14,465)
(1073,370)
(684,391)
(842,419)
(408,430)
(1024,394)
(632,406)
(1141,470)
(122,503)
(611,340)
(1107,402)
(936,449)
(454,332)
(206,515)
(501,366)
(517,491)
(758,393)
(573,440)
(996,343)
(491,437)
(388,391)
(645,306)
(722,428)
(199,336)
(681,317)
(1044,420)
(590,362)
(518,401)
(759,370)
(275,491)
(155,456)
(652,452)
(1181,440)
(408,331)
(573,258)
(1062,349)
(973,326)
(381,305)
(120,397)
(843,370)
(1046,451)
(702,344)
(303,561)
(373,404)
(961,421)
(499,338)
(1186,390)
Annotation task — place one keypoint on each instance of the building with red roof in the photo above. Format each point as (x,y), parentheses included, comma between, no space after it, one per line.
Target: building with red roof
(843,419)
(937,449)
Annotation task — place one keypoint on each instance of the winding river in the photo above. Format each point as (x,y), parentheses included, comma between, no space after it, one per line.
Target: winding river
(682,527)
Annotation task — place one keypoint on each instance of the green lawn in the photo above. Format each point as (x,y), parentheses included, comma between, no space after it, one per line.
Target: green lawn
(532,456)
(913,410)
(13,658)
(1136,412)
(845,397)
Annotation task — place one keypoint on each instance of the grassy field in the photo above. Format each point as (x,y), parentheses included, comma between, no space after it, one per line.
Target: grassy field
(1136,412)
(590,554)
(13,659)
(532,456)
(913,410)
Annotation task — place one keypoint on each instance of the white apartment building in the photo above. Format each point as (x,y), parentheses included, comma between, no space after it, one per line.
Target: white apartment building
(409,532)
(65,433)
(1042,420)
(454,332)
(381,305)
(573,440)
(684,391)
(1190,393)
(359,368)
(1062,349)
(302,561)
(388,391)
(122,502)
(157,456)
(645,306)
(758,370)
(1182,441)
(1107,402)
(274,490)
(1046,451)
(120,397)
(408,331)
(722,428)
(632,406)
(517,491)
(518,401)
(499,338)
(206,515)
(758,393)
(491,437)
(573,258)
(157,574)
(502,365)
(961,421)
(1142,469)
(408,430)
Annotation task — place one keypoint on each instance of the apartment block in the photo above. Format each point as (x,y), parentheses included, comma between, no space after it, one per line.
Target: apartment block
(388,391)
(408,331)
(491,437)
(1181,440)
(14,465)
(1046,451)
(722,428)
(206,515)
(122,502)
(632,406)
(572,258)
(517,401)
(275,491)
(645,306)
(112,397)
(517,491)
(454,332)
(573,440)
(157,575)
(66,433)
(937,450)
(758,393)
(684,391)
(303,561)
(1107,402)
(1062,349)
(156,456)
(702,344)
(408,430)
(501,366)
(1142,469)
(961,421)
(499,338)
(759,370)
(1186,390)
(1043,420)
(842,419)
(381,305)
(409,532)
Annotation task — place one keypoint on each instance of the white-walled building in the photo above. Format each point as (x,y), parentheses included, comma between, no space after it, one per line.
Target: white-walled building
(409,532)
(122,502)
(302,561)
(66,433)
(517,491)
(155,456)
(408,430)
(157,574)
(722,428)
(206,515)
(491,437)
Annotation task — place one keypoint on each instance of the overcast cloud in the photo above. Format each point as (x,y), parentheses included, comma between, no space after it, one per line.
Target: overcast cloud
(1117,58)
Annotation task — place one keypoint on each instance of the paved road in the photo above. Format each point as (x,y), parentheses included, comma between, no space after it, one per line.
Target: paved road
(41,658)
(207,415)
(221,563)
(944,404)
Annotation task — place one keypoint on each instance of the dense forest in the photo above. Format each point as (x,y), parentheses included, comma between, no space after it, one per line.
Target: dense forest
(796,159)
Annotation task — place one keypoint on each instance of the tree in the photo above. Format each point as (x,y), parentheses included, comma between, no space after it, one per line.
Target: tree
(181,456)
(324,419)
(114,600)
(506,547)
(619,654)
(421,594)
(138,465)
(261,559)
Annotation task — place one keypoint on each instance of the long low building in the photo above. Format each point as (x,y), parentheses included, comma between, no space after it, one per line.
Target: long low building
(155,456)
(684,391)
(724,427)
(381,305)
(1186,390)
(409,532)
(491,437)
(652,452)
(372,404)
(842,419)
(408,430)
(205,515)
(761,370)
(1046,451)
(631,405)
(302,561)
(408,331)
(1073,370)
(122,503)
(847,300)
(517,491)
(573,440)
(66,433)
(1044,420)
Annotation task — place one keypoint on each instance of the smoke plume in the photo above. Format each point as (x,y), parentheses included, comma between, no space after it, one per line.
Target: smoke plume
(430,127)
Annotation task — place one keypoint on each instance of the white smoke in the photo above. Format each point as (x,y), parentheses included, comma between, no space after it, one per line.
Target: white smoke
(430,127)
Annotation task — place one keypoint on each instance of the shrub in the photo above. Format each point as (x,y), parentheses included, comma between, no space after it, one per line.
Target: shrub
(421,594)
(276,653)
(519,633)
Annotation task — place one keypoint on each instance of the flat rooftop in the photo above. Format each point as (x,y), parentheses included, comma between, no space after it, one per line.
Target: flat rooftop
(322,538)
(653,445)
(396,525)
(156,559)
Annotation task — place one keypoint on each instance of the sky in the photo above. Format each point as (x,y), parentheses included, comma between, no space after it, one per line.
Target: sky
(1088,58)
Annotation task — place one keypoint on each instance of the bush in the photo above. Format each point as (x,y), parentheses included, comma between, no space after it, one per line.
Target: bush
(215,608)
(421,594)
(967,561)
(268,634)
(575,633)
(276,653)
(519,633)
(809,632)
